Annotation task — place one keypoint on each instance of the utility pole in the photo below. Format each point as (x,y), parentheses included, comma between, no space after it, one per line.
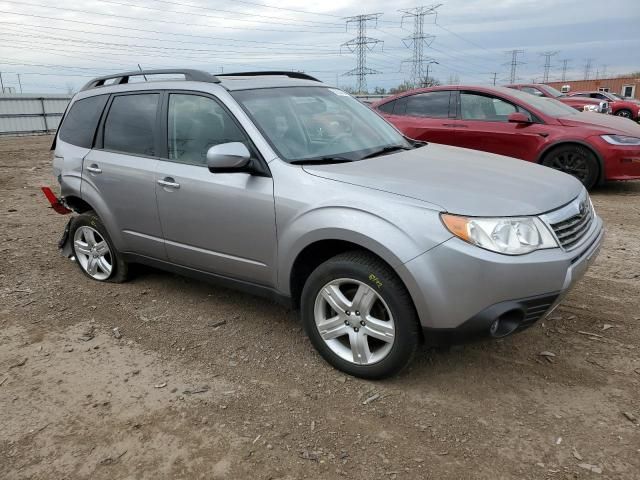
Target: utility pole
(360,45)
(418,41)
(565,63)
(547,64)
(19,83)
(587,68)
(1,84)
(495,76)
(514,64)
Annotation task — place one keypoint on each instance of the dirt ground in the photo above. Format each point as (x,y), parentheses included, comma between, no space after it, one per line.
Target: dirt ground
(180,395)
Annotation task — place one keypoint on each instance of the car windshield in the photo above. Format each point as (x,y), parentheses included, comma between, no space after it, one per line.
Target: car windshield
(319,123)
(552,91)
(548,106)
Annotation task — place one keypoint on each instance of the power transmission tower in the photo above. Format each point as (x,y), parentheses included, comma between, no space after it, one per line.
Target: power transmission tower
(603,71)
(360,45)
(418,41)
(1,84)
(565,63)
(547,64)
(587,68)
(19,83)
(514,64)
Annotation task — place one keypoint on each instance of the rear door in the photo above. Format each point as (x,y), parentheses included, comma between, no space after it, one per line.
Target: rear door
(483,124)
(424,116)
(74,141)
(119,173)
(223,223)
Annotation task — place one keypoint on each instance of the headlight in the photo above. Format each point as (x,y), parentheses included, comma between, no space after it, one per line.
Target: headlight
(621,140)
(591,108)
(510,236)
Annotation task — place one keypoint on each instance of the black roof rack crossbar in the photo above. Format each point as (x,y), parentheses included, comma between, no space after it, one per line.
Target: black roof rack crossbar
(122,78)
(299,75)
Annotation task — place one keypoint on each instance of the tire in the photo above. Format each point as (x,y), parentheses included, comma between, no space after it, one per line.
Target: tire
(388,324)
(624,113)
(94,251)
(575,160)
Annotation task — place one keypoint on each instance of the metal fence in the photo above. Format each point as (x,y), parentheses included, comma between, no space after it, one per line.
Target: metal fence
(28,114)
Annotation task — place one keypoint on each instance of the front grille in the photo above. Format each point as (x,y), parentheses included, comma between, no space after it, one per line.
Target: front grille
(569,232)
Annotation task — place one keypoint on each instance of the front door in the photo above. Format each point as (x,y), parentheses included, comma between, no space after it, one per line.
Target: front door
(483,124)
(223,223)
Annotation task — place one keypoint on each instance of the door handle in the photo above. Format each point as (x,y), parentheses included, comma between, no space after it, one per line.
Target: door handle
(169,183)
(93,168)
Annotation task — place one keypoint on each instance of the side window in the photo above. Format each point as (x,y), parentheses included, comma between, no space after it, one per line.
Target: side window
(431,104)
(197,123)
(483,107)
(387,107)
(79,125)
(131,124)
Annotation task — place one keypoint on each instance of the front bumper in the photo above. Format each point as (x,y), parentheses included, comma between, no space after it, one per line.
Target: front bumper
(620,162)
(460,288)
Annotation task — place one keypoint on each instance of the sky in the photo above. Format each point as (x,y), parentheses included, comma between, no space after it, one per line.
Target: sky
(57,47)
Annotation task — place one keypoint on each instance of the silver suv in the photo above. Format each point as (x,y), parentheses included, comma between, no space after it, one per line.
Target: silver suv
(275,183)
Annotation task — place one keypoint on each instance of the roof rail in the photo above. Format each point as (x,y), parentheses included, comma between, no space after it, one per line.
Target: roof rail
(122,78)
(299,75)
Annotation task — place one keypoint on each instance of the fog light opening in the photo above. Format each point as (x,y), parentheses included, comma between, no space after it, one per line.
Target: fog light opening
(506,323)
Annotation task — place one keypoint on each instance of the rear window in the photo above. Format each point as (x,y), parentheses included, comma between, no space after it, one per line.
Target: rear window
(79,125)
(130,124)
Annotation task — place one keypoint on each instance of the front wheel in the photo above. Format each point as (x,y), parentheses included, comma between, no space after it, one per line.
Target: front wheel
(575,160)
(624,113)
(359,316)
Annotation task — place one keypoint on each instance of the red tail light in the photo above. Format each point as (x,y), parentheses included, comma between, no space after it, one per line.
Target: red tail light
(55,201)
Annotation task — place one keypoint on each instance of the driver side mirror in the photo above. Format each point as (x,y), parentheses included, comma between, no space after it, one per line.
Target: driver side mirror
(518,117)
(233,157)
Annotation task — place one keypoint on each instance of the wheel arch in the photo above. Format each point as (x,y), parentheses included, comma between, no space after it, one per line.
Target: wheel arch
(580,143)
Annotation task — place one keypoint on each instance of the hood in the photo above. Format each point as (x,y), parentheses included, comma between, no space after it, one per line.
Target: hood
(606,123)
(462,181)
(581,100)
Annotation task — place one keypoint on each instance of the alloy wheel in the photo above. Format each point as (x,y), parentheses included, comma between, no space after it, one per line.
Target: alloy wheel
(572,163)
(354,321)
(92,252)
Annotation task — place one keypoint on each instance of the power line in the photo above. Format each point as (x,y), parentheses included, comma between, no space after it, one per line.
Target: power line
(514,64)
(139,19)
(360,46)
(547,64)
(418,41)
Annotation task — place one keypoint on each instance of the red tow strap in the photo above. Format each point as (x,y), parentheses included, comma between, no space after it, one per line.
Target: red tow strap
(57,206)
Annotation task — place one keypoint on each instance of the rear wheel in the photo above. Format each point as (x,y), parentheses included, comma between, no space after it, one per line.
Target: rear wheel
(575,160)
(624,113)
(359,316)
(94,252)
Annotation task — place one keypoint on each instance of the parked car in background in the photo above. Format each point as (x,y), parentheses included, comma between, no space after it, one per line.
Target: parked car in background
(280,185)
(589,146)
(620,106)
(579,103)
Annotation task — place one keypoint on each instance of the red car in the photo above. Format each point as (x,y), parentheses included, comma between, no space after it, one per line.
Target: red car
(581,104)
(621,107)
(590,146)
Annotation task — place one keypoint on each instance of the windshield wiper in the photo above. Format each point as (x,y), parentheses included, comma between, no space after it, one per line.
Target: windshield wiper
(318,160)
(386,149)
